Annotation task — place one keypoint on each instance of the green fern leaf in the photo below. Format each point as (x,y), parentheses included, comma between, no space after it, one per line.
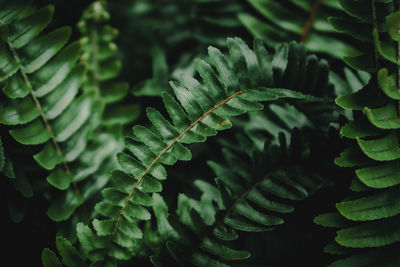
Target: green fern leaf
(372,207)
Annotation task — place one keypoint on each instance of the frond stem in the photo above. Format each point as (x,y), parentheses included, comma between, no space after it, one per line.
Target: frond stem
(244,195)
(305,31)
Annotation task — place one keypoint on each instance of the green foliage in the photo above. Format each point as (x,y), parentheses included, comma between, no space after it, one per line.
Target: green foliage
(311,158)
(103,67)
(172,34)
(53,102)
(304,21)
(42,80)
(70,256)
(371,209)
(232,86)
(247,195)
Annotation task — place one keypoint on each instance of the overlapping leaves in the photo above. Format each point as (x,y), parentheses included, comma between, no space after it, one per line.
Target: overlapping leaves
(299,20)
(230,85)
(69,255)
(251,193)
(44,106)
(172,34)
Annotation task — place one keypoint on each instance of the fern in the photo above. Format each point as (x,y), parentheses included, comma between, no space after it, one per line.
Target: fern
(370,212)
(33,72)
(238,180)
(48,105)
(227,92)
(65,108)
(111,97)
(103,67)
(248,196)
(303,21)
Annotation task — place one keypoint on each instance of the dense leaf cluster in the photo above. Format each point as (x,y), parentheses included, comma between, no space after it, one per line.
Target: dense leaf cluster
(274,155)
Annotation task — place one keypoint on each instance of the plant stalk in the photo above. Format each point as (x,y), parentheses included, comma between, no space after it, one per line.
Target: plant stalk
(305,31)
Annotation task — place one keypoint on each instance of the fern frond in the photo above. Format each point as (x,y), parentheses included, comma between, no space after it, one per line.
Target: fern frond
(99,55)
(304,21)
(252,193)
(44,77)
(371,210)
(110,97)
(43,104)
(231,85)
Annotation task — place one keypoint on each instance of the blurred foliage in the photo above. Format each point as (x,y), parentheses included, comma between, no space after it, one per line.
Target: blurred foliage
(301,20)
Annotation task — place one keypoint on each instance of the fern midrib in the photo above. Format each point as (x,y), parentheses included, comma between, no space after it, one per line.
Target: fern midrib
(145,172)
(244,195)
(45,121)
(305,31)
(239,199)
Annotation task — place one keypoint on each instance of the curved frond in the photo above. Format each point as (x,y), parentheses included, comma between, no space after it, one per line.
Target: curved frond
(230,85)
(251,193)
